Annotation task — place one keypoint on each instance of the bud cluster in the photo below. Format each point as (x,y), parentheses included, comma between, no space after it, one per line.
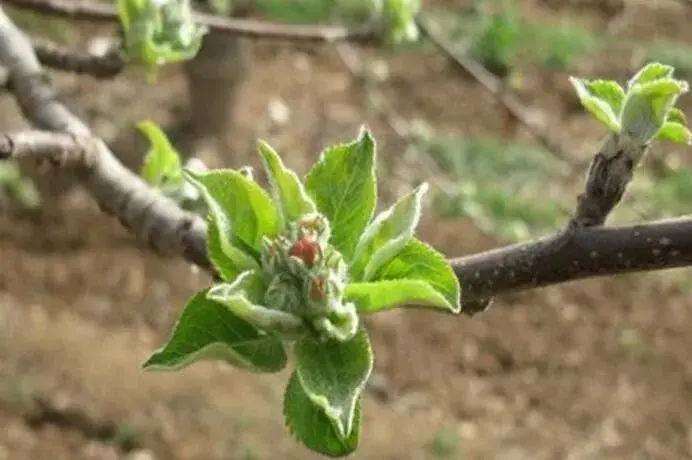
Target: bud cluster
(306,277)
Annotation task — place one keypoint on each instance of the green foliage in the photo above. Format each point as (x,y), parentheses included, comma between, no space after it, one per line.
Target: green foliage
(644,111)
(17,186)
(502,187)
(301,263)
(163,169)
(501,39)
(156,32)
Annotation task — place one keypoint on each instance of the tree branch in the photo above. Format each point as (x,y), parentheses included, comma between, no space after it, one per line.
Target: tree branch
(153,218)
(60,57)
(582,252)
(107,12)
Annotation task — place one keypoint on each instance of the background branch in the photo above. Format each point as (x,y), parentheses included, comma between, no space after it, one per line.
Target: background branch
(61,57)
(107,12)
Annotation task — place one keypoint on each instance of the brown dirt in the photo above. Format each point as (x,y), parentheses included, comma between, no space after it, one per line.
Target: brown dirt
(543,375)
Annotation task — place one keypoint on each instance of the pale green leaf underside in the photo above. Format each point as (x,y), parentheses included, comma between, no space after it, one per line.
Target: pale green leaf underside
(309,425)
(288,192)
(420,261)
(343,186)
(376,296)
(333,375)
(231,262)
(208,330)
(236,297)
(387,234)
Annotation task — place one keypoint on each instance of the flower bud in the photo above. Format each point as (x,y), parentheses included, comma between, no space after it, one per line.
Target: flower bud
(307,251)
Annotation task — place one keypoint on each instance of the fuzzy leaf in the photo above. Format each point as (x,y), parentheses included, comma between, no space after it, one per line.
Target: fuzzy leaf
(241,209)
(420,261)
(677,116)
(288,192)
(207,330)
(343,185)
(238,297)
(309,425)
(650,72)
(599,108)
(608,91)
(333,375)
(675,132)
(387,234)
(647,106)
(382,295)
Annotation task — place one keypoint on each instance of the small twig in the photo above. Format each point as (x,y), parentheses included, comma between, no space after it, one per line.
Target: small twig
(496,88)
(107,12)
(60,57)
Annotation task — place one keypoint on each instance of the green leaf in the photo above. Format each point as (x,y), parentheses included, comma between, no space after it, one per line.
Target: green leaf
(387,234)
(333,375)
(230,261)
(207,330)
(162,161)
(608,91)
(376,296)
(241,209)
(675,132)
(677,116)
(343,185)
(650,72)
(309,425)
(239,297)
(647,106)
(419,261)
(599,108)
(289,195)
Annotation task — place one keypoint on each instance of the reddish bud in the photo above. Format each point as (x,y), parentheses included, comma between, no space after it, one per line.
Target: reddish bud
(317,288)
(307,251)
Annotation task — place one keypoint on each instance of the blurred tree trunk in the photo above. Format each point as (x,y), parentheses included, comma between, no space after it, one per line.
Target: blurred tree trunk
(214,79)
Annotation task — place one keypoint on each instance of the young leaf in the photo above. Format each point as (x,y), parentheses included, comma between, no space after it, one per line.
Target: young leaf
(207,330)
(387,234)
(647,106)
(650,72)
(333,375)
(309,425)
(289,195)
(162,160)
(239,206)
(599,108)
(419,261)
(608,91)
(381,295)
(230,261)
(343,185)
(677,116)
(675,132)
(238,297)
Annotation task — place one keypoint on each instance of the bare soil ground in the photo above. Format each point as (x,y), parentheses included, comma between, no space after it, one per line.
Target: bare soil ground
(595,369)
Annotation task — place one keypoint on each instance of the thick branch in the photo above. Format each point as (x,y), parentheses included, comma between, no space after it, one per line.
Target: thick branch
(580,253)
(60,57)
(107,12)
(153,218)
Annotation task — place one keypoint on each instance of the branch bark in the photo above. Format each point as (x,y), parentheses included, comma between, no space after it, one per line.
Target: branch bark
(107,12)
(578,253)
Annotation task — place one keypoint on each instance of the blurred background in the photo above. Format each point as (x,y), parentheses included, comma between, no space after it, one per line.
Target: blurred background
(594,369)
